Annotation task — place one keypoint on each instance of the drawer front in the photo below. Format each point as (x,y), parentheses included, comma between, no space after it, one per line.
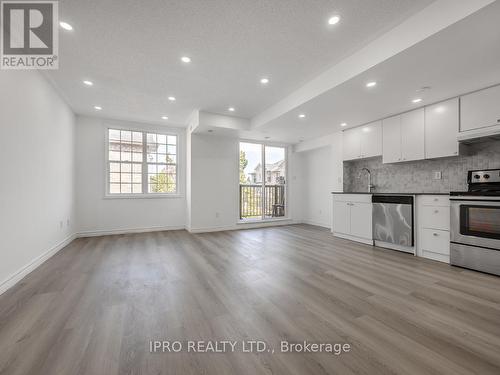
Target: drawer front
(435,241)
(435,217)
(361,198)
(435,200)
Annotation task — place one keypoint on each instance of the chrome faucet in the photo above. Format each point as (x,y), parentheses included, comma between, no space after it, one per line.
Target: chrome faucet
(370,186)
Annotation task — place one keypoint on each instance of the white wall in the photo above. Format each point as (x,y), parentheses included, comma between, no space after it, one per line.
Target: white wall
(37,183)
(322,174)
(97,214)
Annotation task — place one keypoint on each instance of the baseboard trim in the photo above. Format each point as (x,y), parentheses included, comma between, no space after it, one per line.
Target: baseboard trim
(98,233)
(34,264)
(316,223)
(241,226)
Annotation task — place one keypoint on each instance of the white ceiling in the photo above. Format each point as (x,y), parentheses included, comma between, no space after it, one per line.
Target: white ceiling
(131,50)
(462,58)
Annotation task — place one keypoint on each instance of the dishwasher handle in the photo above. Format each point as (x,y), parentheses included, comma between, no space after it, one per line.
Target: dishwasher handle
(396,199)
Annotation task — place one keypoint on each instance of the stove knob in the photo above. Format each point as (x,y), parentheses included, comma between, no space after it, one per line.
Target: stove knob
(476,176)
(486,176)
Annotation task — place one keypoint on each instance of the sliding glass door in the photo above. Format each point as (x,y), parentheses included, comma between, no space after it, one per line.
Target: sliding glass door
(262,180)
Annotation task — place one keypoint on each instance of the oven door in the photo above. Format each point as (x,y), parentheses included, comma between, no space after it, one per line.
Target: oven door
(476,222)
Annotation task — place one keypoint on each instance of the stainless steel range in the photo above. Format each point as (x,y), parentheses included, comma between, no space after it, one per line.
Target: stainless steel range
(475,223)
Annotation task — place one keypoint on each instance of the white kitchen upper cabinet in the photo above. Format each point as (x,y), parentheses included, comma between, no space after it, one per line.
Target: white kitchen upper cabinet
(361,220)
(351,144)
(480,109)
(413,135)
(391,139)
(371,139)
(441,129)
(341,217)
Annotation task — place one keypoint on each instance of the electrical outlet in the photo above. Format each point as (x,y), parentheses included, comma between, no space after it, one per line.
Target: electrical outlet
(437,175)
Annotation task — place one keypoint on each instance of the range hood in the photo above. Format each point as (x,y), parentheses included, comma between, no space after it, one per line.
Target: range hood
(482,134)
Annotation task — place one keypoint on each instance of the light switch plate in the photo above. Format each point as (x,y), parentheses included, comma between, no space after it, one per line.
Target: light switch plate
(437,175)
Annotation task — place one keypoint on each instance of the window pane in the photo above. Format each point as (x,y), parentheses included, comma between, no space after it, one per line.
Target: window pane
(137,188)
(274,193)
(137,157)
(114,177)
(126,167)
(161,158)
(171,159)
(126,177)
(137,168)
(114,146)
(162,149)
(172,150)
(151,138)
(126,156)
(151,158)
(114,135)
(171,169)
(137,137)
(126,136)
(114,167)
(136,178)
(114,188)
(126,188)
(172,140)
(161,139)
(171,188)
(114,155)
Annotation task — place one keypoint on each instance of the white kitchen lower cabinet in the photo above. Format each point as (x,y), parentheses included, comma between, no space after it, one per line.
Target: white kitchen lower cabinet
(352,217)
(433,227)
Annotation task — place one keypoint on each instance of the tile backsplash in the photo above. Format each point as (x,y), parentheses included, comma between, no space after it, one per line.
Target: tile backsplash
(417,176)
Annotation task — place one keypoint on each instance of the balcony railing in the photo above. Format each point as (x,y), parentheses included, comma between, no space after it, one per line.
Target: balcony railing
(251,199)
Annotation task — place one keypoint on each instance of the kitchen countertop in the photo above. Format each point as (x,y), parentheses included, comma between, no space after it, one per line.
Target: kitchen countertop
(380,193)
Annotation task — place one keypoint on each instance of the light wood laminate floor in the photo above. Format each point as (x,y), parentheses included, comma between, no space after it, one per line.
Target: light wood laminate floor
(94,307)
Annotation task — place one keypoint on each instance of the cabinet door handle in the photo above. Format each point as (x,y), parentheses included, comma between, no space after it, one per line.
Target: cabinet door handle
(436,211)
(436,199)
(435,234)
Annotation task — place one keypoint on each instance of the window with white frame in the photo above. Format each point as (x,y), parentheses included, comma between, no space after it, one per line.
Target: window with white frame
(141,162)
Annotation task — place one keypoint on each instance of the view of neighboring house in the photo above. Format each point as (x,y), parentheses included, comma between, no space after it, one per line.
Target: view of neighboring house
(275,173)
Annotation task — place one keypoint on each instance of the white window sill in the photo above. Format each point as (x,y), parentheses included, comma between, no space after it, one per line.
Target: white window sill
(142,196)
(258,221)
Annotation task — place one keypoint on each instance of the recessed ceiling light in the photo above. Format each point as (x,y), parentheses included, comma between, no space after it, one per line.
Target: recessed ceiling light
(264,81)
(417,100)
(371,84)
(97,107)
(302,115)
(186,59)
(231,109)
(267,137)
(210,130)
(366,129)
(171,98)
(333,20)
(88,83)
(343,124)
(164,117)
(66,26)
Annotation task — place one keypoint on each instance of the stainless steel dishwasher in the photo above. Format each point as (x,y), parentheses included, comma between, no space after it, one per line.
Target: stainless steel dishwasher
(393,222)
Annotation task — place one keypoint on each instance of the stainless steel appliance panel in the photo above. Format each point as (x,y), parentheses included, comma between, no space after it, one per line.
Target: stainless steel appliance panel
(393,223)
(477,258)
(475,222)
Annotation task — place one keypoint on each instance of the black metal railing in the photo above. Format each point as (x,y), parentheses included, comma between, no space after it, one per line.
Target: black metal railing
(252,199)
